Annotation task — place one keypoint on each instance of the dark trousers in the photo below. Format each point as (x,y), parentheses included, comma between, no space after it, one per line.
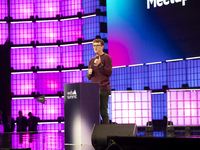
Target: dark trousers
(104,95)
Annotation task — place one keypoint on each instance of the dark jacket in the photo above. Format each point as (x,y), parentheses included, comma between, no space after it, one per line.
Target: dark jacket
(9,125)
(32,123)
(23,124)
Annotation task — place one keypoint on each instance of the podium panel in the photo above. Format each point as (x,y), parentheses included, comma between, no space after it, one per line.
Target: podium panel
(81,111)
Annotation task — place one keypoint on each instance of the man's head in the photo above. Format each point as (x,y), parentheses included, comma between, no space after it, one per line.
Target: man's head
(98,45)
(30,114)
(20,113)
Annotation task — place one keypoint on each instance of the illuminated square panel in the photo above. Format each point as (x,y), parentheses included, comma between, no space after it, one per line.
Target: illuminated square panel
(47,32)
(23,83)
(26,105)
(47,8)
(193,73)
(157,75)
(137,77)
(89,6)
(3,32)
(21,9)
(91,28)
(71,30)
(47,57)
(119,79)
(183,107)
(88,53)
(176,74)
(51,110)
(131,107)
(22,33)
(72,77)
(3,9)
(71,7)
(72,56)
(22,58)
(48,83)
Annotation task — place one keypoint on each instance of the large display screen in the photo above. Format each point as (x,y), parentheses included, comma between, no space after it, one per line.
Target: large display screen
(145,31)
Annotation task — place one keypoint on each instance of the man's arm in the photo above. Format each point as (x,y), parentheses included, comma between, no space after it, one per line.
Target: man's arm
(89,74)
(106,68)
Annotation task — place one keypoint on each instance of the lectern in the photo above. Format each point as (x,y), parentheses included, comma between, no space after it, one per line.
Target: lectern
(81,111)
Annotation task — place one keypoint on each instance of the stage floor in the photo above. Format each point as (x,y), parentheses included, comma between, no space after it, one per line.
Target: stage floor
(56,140)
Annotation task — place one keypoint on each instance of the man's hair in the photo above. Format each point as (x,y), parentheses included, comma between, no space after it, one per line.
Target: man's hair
(99,40)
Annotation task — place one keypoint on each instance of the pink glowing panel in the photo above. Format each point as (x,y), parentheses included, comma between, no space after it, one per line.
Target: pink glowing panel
(23,84)
(183,107)
(71,30)
(131,107)
(47,57)
(51,110)
(71,7)
(22,33)
(21,9)
(25,105)
(48,32)
(3,9)
(72,56)
(47,8)
(22,58)
(3,32)
(48,83)
(72,77)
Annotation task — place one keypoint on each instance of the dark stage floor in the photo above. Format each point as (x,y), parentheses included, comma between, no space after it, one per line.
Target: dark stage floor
(56,141)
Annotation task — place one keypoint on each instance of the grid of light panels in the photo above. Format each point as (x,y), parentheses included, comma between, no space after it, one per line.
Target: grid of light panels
(22,58)
(21,9)
(193,73)
(183,107)
(176,74)
(3,9)
(3,32)
(71,7)
(157,75)
(131,107)
(22,33)
(51,110)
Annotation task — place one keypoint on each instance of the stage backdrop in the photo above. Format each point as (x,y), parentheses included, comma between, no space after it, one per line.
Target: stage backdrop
(144,31)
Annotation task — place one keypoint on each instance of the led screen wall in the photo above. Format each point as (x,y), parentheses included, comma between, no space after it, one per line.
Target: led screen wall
(140,35)
(183,107)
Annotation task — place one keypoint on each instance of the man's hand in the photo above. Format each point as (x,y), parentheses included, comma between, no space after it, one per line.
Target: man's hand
(97,61)
(90,71)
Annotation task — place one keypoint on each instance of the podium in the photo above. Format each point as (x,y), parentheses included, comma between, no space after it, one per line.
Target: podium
(81,111)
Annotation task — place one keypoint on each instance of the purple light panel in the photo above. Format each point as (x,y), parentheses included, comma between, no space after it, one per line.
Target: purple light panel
(23,84)
(22,33)
(21,9)
(51,110)
(3,32)
(48,83)
(47,8)
(25,105)
(47,32)
(72,77)
(70,7)
(72,56)
(71,30)
(23,58)
(183,107)
(131,107)
(44,141)
(47,57)
(3,9)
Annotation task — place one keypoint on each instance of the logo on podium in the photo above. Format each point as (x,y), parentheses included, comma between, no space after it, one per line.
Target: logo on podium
(72,94)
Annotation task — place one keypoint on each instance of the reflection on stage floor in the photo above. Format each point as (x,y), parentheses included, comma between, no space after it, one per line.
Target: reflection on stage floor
(56,140)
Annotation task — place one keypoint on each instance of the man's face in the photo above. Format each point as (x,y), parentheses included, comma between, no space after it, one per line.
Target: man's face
(98,48)
(20,113)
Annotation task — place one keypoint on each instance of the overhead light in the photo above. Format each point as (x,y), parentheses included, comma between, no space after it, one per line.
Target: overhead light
(69,19)
(172,60)
(89,16)
(154,63)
